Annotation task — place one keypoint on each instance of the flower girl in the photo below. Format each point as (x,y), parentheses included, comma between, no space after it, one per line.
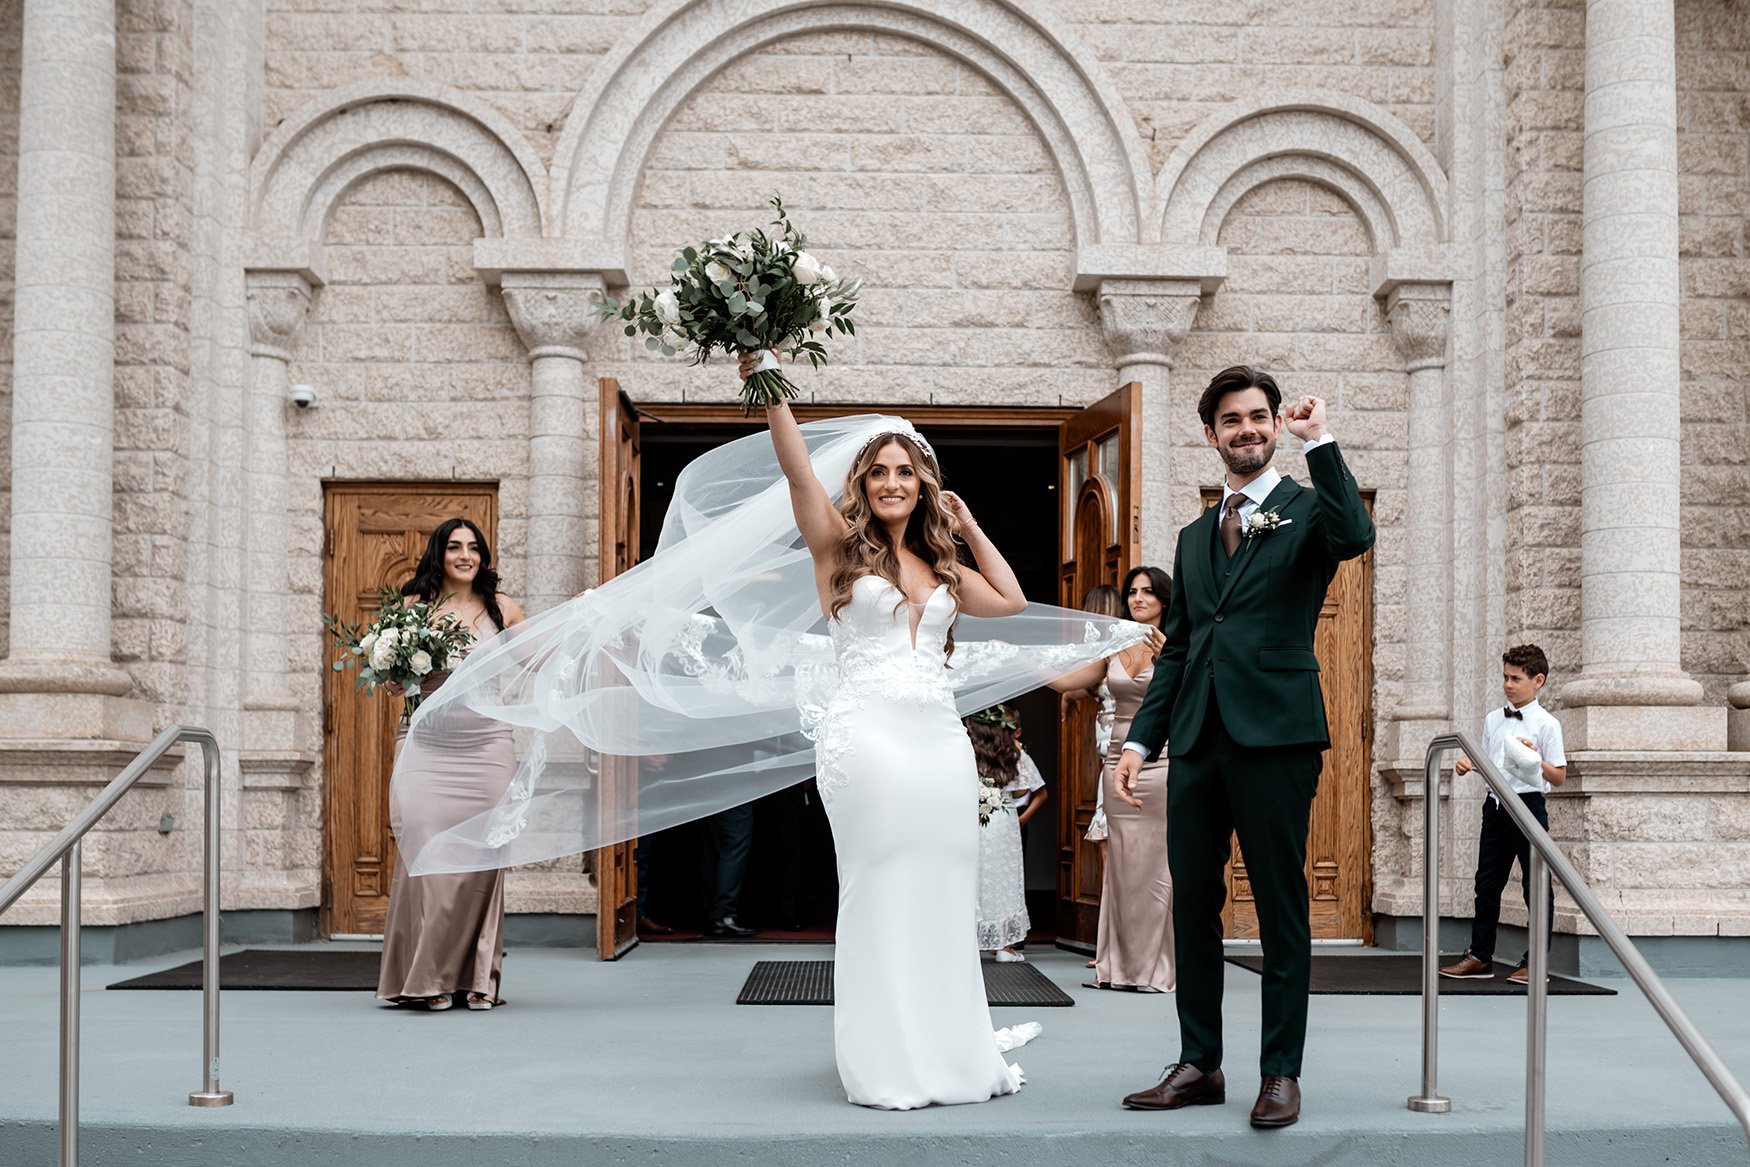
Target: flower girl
(1013,791)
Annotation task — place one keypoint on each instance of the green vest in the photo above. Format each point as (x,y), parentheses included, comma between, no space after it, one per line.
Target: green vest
(1240,631)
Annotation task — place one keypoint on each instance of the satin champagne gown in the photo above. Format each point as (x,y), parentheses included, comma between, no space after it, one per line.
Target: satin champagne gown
(1135,945)
(445,933)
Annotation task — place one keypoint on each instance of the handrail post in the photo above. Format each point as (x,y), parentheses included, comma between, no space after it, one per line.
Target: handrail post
(1536,1007)
(1429,1101)
(210,1094)
(71,872)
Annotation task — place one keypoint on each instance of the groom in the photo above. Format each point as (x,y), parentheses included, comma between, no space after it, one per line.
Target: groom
(1236,701)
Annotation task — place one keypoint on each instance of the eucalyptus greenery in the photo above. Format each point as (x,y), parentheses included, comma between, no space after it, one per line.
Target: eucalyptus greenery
(746,293)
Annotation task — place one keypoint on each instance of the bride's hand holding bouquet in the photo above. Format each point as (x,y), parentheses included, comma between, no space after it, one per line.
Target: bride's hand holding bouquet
(749,293)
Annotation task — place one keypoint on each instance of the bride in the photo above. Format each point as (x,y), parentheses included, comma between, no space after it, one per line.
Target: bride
(778,633)
(910,1022)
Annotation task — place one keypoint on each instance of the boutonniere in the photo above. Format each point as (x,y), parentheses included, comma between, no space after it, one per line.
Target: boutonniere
(1262,521)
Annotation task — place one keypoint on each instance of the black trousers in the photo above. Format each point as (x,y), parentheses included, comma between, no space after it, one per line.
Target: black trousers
(1499,844)
(1217,790)
(728,842)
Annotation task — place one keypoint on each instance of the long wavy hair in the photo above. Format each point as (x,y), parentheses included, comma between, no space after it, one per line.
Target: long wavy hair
(995,748)
(866,548)
(428,574)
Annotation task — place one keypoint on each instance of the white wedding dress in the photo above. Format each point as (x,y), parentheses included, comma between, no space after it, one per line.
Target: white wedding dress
(896,772)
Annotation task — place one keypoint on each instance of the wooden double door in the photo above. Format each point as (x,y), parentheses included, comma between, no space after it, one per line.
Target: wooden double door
(375,534)
(1100,479)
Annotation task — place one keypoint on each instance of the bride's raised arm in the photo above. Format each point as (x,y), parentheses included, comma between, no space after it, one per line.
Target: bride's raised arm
(819,521)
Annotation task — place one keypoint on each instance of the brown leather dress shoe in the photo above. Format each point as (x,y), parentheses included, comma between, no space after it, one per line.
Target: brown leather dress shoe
(1278,1102)
(649,927)
(1182,1085)
(1469,968)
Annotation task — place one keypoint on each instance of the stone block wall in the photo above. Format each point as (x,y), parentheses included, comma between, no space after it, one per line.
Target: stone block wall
(908,169)
(1713,153)
(11,30)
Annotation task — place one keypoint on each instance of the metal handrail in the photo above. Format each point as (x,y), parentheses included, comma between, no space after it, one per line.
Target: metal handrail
(1545,857)
(66,848)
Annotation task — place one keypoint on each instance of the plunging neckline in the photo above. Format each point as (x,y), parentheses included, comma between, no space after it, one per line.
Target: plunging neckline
(915,609)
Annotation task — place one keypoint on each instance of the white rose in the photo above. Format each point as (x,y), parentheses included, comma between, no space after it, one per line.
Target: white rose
(819,323)
(717,273)
(364,646)
(420,662)
(674,338)
(827,275)
(805,268)
(382,655)
(668,308)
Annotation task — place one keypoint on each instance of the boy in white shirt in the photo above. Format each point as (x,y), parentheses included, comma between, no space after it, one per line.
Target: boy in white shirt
(1524,669)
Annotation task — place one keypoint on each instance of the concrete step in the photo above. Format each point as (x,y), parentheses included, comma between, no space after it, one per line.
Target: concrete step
(649,1061)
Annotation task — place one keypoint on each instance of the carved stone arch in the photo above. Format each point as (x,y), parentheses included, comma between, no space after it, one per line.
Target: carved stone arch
(680,44)
(356,131)
(1349,145)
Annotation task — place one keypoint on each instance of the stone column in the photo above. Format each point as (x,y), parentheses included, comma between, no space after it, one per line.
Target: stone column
(551,312)
(63,397)
(1419,315)
(1144,321)
(1631,692)
(276,734)
(1738,716)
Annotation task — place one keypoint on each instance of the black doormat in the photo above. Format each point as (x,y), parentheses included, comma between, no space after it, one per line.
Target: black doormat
(809,982)
(347,970)
(1400,974)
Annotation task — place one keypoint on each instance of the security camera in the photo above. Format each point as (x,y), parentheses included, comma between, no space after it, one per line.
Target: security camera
(304,397)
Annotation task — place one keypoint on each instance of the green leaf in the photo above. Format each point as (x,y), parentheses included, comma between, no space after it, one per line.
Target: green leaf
(631,330)
(748,341)
(651,343)
(678,265)
(737,304)
(690,254)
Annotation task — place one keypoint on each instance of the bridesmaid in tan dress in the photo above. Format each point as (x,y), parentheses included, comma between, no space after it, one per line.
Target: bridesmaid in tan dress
(1134,949)
(445,933)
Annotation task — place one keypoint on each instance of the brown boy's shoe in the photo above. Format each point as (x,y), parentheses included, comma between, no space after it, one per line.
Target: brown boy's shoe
(1521,976)
(1278,1102)
(1182,1085)
(1469,968)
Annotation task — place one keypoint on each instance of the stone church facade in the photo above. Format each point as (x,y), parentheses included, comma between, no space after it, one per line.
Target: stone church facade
(1505,238)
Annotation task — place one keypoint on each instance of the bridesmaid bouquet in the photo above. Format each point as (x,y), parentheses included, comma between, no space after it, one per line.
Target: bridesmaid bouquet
(747,293)
(990,801)
(404,645)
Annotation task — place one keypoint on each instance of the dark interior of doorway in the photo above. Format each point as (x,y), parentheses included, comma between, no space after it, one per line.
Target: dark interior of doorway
(1008,477)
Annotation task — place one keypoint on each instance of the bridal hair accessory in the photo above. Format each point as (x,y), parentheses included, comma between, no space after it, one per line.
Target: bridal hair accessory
(997,715)
(923,444)
(695,681)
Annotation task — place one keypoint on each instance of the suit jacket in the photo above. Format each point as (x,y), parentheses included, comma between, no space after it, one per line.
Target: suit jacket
(1241,630)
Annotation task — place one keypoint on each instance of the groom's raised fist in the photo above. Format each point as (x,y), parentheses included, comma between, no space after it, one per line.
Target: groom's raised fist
(1305,418)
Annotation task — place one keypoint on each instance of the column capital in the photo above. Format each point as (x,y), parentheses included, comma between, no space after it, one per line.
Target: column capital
(1145,319)
(279,303)
(1420,318)
(552,311)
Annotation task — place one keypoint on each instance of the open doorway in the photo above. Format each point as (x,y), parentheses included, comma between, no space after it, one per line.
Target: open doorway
(1009,476)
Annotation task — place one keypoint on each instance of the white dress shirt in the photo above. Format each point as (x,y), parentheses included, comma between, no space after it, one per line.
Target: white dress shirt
(1536,725)
(1256,491)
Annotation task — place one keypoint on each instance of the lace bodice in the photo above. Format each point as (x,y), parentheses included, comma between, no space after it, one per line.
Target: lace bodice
(873,640)
(878,659)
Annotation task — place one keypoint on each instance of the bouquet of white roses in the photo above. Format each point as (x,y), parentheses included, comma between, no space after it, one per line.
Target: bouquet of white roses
(404,645)
(990,801)
(747,293)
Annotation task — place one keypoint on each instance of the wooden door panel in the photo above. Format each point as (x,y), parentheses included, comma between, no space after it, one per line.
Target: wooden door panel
(616,873)
(1100,480)
(1339,871)
(375,534)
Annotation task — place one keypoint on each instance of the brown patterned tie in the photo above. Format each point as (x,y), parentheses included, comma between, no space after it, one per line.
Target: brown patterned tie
(1230,523)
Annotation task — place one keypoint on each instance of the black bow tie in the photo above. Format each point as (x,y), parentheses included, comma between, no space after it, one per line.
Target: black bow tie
(1509,711)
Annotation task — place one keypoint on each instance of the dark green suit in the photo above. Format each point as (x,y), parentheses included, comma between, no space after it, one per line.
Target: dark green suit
(1236,701)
